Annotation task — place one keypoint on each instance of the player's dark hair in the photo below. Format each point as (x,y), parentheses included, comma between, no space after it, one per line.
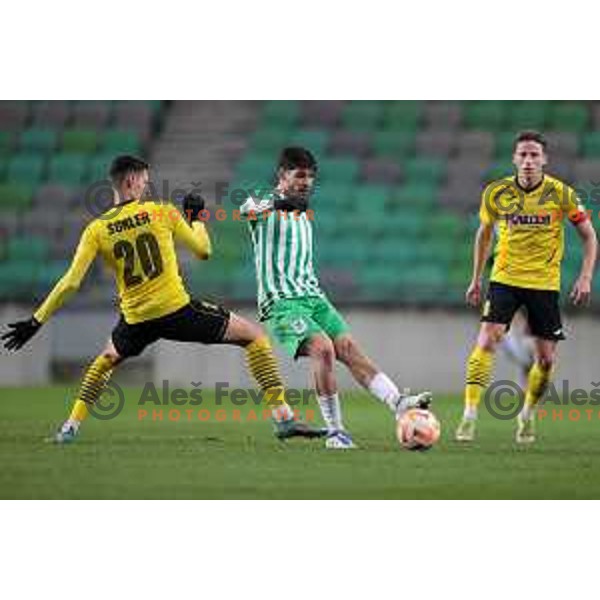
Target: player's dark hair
(124,165)
(295,157)
(530,135)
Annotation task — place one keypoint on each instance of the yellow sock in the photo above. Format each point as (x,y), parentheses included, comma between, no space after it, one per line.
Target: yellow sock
(262,365)
(94,380)
(479,373)
(537,382)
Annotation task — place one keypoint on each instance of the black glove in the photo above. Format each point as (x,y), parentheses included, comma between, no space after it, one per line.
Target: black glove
(22,332)
(193,205)
(291,203)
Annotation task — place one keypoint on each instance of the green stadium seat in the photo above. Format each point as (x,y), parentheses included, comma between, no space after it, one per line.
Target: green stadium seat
(339,170)
(314,140)
(498,171)
(38,140)
(6,143)
(591,145)
(422,169)
(51,273)
(393,144)
(402,115)
(416,196)
(99,167)
(369,199)
(68,169)
(362,115)
(487,115)
(253,169)
(25,168)
(528,115)
(446,226)
(15,197)
(268,142)
(79,141)
(569,116)
(115,141)
(504,144)
(281,113)
(32,248)
(329,196)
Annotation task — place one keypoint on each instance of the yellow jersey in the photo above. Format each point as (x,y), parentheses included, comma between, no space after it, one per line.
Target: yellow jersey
(136,240)
(529,226)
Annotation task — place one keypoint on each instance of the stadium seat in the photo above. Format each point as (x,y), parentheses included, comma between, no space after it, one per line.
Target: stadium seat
(339,170)
(27,248)
(255,169)
(268,141)
(6,143)
(415,196)
(99,167)
(92,114)
(384,171)
(591,145)
(281,113)
(68,169)
(25,168)
(562,144)
(486,115)
(116,141)
(134,115)
(15,197)
(569,116)
(13,115)
(314,140)
(350,143)
(435,143)
(475,144)
(79,141)
(422,168)
(362,115)
(528,115)
(51,113)
(370,199)
(504,144)
(442,115)
(394,144)
(324,114)
(37,140)
(401,115)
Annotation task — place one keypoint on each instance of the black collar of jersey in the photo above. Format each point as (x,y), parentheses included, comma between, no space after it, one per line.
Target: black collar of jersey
(127,202)
(532,189)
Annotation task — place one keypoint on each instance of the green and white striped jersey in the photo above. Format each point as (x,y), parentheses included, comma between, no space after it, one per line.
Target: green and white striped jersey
(283,253)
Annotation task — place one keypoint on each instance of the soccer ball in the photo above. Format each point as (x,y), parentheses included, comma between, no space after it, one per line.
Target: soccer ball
(418,429)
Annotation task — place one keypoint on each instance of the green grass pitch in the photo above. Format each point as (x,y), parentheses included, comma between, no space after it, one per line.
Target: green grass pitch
(129,458)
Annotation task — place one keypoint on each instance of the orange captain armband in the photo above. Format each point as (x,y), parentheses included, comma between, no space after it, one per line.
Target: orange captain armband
(579,216)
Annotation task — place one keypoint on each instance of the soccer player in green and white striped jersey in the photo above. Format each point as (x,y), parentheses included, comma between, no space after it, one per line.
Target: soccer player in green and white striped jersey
(293,305)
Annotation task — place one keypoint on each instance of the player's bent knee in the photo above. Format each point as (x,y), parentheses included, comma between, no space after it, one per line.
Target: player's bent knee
(490,335)
(322,350)
(345,348)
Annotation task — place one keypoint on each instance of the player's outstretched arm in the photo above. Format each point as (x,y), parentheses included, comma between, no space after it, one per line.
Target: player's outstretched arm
(194,236)
(22,331)
(582,288)
(483,240)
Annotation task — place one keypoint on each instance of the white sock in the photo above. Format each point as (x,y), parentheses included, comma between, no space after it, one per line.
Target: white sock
(331,411)
(470,413)
(385,389)
(71,423)
(283,412)
(526,413)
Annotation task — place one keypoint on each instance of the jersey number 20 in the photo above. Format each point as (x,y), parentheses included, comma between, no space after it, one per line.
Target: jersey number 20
(148,251)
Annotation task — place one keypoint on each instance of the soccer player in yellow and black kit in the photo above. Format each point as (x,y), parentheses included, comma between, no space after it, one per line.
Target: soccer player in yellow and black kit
(528,212)
(136,239)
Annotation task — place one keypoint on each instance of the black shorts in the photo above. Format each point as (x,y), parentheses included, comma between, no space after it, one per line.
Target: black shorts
(196,322)
(543,313)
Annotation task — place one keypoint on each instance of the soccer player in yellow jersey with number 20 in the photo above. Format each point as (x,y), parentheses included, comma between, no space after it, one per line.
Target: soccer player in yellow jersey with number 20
(136,239)
(527,213)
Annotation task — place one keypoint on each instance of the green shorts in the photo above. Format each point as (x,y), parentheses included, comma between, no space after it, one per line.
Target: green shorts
(292,322)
